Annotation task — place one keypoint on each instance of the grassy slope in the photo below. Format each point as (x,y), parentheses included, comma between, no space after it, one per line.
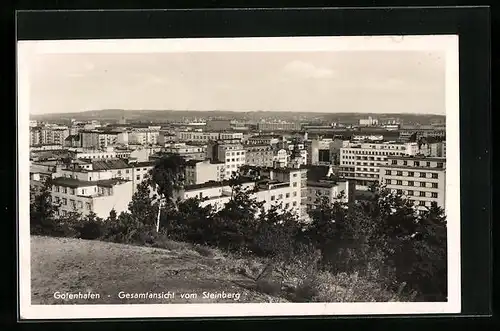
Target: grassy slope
(73,265)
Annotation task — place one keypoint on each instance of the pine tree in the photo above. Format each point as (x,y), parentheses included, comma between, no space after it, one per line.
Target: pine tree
(43,211)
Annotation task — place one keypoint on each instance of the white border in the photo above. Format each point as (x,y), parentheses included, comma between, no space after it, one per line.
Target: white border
(445,43)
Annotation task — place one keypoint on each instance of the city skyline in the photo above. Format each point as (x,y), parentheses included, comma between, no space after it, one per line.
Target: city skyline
(323,82)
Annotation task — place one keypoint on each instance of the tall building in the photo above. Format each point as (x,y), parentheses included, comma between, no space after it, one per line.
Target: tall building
(421,179)
(46,135)
(362,161)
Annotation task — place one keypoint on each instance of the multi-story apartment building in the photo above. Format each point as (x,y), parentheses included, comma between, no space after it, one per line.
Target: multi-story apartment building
(48,135)
(101,139)
(188,152)
(144,136)
(202,171)
(92,154)
(406,132)
(323,151)
(204,137)
(233,155)
(259,155)
(326,188)
(100,196)
(279,126)
(421,179)
(362,161)
(263,139)
(281,187)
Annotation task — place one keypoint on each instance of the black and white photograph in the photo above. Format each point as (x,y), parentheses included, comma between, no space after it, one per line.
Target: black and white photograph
(239,176)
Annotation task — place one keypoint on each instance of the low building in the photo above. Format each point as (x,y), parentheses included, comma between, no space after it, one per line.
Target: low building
(331,189)
(421,179)
(202,171)
(259,155)
(100,197)
(188,152)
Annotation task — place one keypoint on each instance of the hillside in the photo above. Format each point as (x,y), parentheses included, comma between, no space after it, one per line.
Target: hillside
(72,265)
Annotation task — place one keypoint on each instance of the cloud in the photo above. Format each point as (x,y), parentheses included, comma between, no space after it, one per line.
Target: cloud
(307,70)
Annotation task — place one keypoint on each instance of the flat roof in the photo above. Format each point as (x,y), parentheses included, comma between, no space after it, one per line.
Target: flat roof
(417,158)
(75,183)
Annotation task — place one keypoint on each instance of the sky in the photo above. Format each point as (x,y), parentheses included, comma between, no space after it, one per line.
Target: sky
(323,81)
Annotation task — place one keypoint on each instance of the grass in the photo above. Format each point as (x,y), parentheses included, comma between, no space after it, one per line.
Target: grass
(74,265)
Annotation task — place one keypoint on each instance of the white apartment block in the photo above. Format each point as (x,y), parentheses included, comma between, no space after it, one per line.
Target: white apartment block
(233,155)
(316,190)
(144,136)
(101,139)
(282,187)
(421,179)
(202,171)
(99,196)
(362,161)
(281,157)
(48,135)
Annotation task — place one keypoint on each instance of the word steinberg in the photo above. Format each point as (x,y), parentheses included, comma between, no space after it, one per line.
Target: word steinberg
(172,295)
(76,296)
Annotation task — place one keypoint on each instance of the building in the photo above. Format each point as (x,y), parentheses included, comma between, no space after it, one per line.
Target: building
(281,157)
(421,179)
(100,196)
(368,121)
(259,155)
(93,154)
(205,137)
(331,189)
(188,152)
(233,155)
(48,135)
(278,126)
(281,187)
(361,161)
(100,139)
(421,131)
(323,151)
(264,140)
(144,136)
(202,171)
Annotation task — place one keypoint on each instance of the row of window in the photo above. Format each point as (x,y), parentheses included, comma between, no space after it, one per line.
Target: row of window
(411,174)
(417,163)
(364,152)
(422,194)
(280,196)
(72,203)
(234,153)
(410,183)
(237,159)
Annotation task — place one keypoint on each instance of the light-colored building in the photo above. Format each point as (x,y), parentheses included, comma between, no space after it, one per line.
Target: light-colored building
(279,126)
(188,152)
(99,196)
(421,179)
(144,136)
(101,139)
(202,171)
(263,139)
(280,187)
(362,161)
(259,155)
(368,121)
(331,189)
(281,157)
(48,135)
(206,136)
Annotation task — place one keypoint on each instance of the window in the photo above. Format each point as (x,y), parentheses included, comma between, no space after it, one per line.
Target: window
(65,190)
(280,196)
(388,181)
(64,201)
(440,164)
(411,183)
(410,193)
(400,173)
(287,195)
(294,194)
(434,195)
(427,164)
(422,175)
(416,163)
(405,162)
(295,184)
(434,175)
(411,174)
(88,205)
(287,205)
(127,171)
(422,184)
(399,192)
(388,172)
(273,198)
(72,203)
(399,182)
(80,205)
(434,185)
(294,175)
(422,194)
(394,162)
(294,203)
(421,203)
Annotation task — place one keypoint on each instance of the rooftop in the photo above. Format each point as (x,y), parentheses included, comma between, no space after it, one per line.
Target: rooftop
(110,164)
(242,180)
(326,184)
(74,183)
(417,158)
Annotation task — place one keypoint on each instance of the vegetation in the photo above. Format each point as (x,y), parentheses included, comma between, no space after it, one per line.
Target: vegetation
(378,249)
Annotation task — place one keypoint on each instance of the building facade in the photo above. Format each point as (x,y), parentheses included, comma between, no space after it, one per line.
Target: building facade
(362,161)
(421,179)
(202,171)
(259,155)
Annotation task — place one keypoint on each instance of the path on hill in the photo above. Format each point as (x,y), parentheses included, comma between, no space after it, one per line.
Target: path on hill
(67,265)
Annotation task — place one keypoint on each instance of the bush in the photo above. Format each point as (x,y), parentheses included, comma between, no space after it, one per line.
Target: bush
(268,286)
(204,251)
(164,242)
(91,230)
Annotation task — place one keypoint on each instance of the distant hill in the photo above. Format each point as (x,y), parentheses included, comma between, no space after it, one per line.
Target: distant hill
(164,116)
